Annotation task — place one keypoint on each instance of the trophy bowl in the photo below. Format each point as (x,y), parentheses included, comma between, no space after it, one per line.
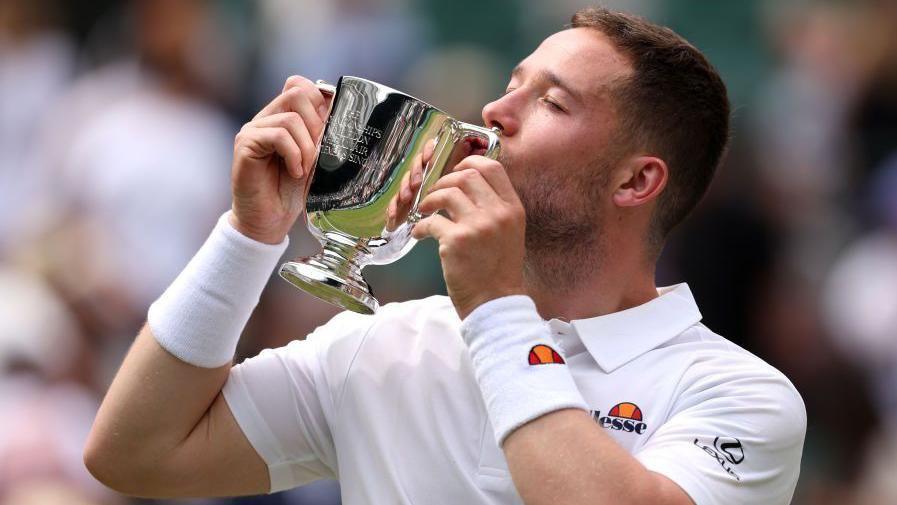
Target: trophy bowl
(376,141)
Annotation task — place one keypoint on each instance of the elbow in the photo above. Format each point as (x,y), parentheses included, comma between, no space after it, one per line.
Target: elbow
(102,464)
(111,468)
(125,471)
(98,465)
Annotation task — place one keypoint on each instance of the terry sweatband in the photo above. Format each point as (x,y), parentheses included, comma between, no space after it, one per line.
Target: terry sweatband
(518,367)
(199,317)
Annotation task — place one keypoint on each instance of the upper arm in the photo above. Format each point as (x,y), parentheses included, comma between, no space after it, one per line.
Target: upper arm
(170,429)
(736,441)
(164,430)
(266,430)
(216,459)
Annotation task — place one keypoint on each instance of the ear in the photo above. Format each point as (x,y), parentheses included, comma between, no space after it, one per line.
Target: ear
(642,180)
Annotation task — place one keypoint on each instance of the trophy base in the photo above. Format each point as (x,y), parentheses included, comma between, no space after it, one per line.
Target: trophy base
(321,280)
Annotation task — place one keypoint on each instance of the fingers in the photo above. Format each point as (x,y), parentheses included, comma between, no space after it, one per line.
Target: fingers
(295,125)
(295,100)
(302,110)
(494,174)
(472,183)
(451,199)
(400,206)
(435,226)
(417,174)
(261,143)
(410,184)
(305,86)
(320,101)
(482,181)
(301,102)
(429,149)
(302,96)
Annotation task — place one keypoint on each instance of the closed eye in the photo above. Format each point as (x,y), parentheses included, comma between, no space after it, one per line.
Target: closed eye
(551,103)
(545,99)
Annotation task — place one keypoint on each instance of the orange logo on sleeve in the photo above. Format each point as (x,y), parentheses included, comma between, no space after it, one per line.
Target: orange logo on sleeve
(543,355)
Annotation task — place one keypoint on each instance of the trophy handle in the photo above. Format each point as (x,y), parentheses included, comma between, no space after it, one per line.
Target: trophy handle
(490,135)
(325,87)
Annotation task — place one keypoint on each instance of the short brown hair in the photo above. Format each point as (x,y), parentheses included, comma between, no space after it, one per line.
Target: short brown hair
(674,103)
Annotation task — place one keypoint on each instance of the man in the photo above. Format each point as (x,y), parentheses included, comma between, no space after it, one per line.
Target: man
(555,371)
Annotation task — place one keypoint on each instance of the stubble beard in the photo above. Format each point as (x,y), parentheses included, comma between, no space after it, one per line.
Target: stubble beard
(563,220)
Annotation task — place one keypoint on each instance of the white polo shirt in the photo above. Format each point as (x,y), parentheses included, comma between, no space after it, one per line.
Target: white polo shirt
(388,404)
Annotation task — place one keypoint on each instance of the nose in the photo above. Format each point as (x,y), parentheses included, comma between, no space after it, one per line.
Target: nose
(502,113)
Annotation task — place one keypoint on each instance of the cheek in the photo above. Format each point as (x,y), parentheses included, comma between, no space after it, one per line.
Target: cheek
(556,144)
(548,142)
(559,135)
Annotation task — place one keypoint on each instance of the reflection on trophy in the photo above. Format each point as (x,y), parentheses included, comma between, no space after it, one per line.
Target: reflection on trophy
(377,141)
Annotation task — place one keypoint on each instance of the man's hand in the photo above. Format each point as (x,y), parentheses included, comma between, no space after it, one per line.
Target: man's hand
(273,156)
(481,235)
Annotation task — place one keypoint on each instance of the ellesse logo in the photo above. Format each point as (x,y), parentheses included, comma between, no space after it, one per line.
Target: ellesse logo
(543,355)
(625,417)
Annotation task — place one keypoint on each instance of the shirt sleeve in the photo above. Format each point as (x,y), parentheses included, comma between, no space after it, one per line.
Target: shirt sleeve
(283,401)
(735,438)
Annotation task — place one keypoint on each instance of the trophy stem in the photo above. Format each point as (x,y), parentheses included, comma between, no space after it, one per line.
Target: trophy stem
(334,277)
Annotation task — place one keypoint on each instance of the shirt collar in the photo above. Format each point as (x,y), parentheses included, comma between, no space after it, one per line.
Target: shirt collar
(616,339)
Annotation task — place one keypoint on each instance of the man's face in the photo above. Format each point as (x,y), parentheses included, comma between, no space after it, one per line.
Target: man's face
(558,134)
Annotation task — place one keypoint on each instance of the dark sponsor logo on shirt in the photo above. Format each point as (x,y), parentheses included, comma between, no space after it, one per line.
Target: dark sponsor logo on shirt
(727,451)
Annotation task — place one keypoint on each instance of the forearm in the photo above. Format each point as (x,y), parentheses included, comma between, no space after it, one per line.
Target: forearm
(565,457)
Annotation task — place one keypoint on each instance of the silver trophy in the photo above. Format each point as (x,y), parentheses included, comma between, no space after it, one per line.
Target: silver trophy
(376,142)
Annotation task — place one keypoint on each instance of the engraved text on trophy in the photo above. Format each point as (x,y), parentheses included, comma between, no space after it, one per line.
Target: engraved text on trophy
(349,138)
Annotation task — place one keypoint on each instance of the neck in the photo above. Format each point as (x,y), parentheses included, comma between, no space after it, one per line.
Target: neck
(612,284)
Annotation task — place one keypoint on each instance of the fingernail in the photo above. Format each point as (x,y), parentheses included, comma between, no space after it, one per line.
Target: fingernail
(322,111)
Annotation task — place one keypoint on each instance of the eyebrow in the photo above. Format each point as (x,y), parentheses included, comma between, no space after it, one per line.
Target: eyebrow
(551,78)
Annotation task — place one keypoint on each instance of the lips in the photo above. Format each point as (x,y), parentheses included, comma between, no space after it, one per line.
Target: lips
(477,146)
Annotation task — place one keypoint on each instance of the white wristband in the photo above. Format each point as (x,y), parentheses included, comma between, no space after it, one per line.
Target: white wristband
(199,317)
(520,372)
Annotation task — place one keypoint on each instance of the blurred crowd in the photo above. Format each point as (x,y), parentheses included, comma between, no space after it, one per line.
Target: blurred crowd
(116,129)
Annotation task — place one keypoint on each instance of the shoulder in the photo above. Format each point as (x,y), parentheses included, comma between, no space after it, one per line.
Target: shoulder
(717,362)
(720,371)
(735,427)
